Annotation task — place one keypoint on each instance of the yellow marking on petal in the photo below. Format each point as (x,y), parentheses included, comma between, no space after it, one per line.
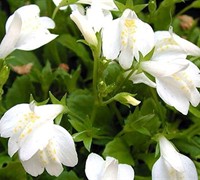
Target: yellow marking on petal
(27,123)
(43,157)
(52,151)
(31,24)
(129,23)
(128,33)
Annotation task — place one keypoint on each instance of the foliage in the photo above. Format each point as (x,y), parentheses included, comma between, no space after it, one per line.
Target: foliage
(98,118)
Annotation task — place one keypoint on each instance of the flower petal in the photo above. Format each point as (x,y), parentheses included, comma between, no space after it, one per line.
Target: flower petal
(160,170)
(97,17)
(172,165)
(54,168)
(35,40)
(189,171)
(110,171)
(33,141)
(47,22)
(126,58)
(85,27)
(164,68)
(48,111)
(34,32)
(144,37)
(125,172)
(93,161)
(171,93)
(142,78)
(66,148)
(33,166)
(169,153)
(171,40)
(13,146)
(103,4)
(11,118)
(187,46)
(12,35)
(111,40)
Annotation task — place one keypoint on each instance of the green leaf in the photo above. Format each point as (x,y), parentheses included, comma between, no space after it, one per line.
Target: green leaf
(19,57)
(81,103)
(188,146)
(19,92)
(71,43)
(86,136)
(38,103)
(129,4)
(87,143)
(71,175)
(4,74)
(112,71)
(148,56)
(78,125)
(119,150)
(138,8)
(69,80)
(194,111)
(195,4)
(13,170)
(4,160)
(164,11)
(54,100)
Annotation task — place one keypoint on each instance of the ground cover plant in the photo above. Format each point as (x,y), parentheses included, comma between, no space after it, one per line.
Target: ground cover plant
(99,89)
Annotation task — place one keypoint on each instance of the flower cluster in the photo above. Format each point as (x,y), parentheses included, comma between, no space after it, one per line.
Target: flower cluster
(158,59)
(39,142)
(127,38)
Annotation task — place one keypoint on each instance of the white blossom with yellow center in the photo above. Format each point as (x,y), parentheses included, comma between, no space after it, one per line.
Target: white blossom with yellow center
(24,124)
(97,168)
(25,30)
(176,78)
(59,150)
(40,144)
(172,165)
(125,37)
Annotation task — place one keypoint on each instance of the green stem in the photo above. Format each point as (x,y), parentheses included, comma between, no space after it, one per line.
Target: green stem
(157,105)
(124,81)
(95,73)
(69,112)
(184,10)
(117,113)
(96,52)
(193,130)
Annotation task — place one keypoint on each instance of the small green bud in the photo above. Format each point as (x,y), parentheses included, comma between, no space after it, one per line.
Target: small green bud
(126,99)
(152,6)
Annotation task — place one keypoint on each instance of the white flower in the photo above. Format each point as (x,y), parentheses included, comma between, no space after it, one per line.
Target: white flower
(98,169)
(59,150)
(25,30)
(91,23)
(102,4)
(176,82)
(125,37)
(40,143)
(170,43)
(172,165)
(177,78)
(23,122)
